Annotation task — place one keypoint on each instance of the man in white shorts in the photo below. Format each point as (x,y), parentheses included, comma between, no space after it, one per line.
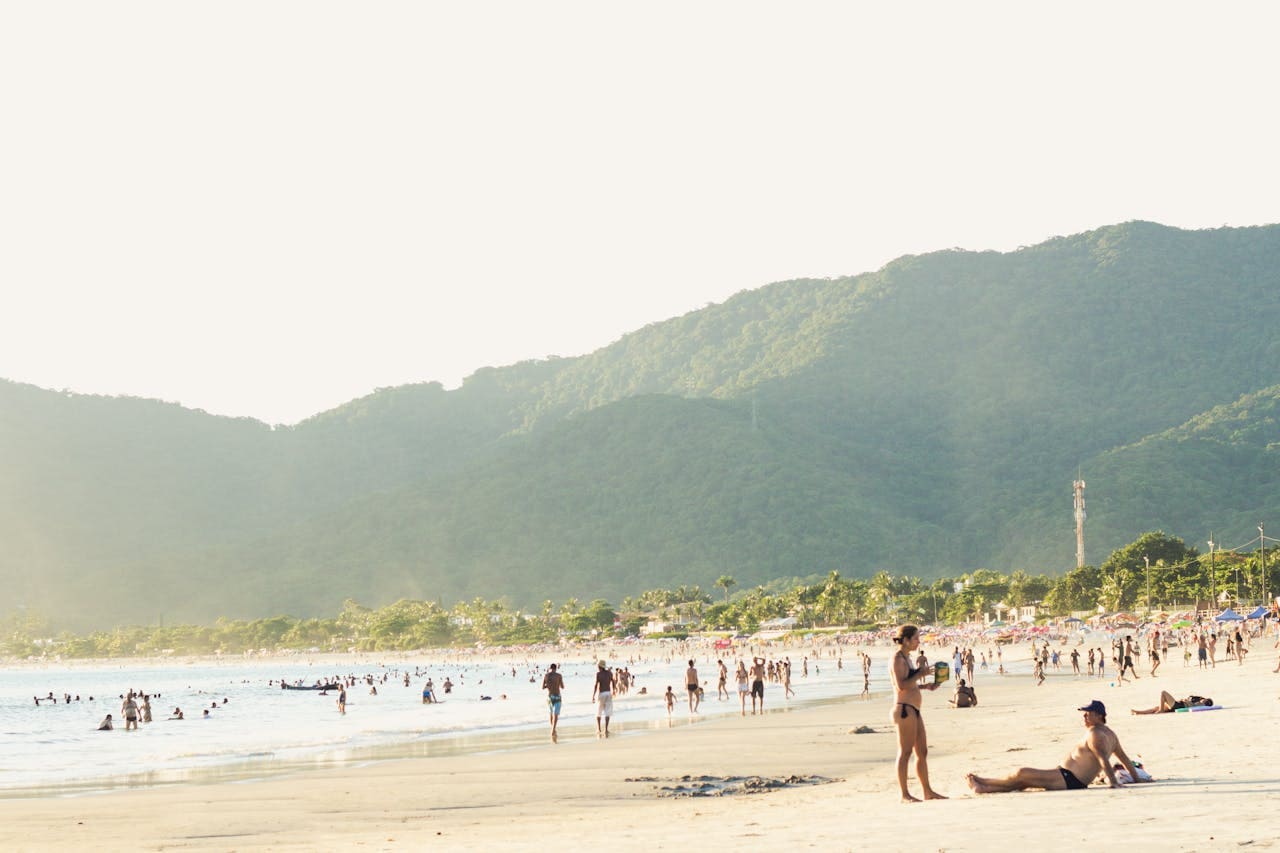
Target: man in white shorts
(602,695)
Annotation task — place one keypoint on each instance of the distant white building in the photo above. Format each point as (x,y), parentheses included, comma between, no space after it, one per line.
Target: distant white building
(656,626)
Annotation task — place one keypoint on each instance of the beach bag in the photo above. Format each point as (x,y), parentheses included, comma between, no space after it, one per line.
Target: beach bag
(1124,778)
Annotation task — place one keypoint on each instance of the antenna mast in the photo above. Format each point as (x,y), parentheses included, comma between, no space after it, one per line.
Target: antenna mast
(1080,517)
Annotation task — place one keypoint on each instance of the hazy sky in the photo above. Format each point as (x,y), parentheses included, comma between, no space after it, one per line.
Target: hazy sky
(269,208)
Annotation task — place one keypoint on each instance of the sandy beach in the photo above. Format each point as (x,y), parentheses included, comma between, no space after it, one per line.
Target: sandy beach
(1215,770)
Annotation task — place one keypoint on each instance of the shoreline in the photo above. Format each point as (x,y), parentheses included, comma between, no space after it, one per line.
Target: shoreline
(394,729)
(430,746)
(1215,790)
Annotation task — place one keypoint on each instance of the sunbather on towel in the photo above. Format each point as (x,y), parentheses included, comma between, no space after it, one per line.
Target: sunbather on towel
(1168,704)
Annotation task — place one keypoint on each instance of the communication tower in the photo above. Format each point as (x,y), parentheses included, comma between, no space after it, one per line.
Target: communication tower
(1080,517)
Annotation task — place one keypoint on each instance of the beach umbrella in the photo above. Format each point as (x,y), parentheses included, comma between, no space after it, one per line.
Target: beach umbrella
(1072,619)
(1228,615)
(999,623)
(1182,623)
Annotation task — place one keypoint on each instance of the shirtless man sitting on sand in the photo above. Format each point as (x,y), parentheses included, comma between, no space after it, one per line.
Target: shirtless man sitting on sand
(1089,758)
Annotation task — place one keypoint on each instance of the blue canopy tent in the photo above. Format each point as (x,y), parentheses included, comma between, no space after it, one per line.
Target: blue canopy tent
(1258,613)
(1228,615)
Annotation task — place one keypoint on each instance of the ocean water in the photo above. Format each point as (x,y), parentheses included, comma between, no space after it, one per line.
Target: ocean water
(54,748)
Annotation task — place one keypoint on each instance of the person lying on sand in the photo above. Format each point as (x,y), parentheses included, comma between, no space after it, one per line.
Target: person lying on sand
(1089,758)
(1168,704)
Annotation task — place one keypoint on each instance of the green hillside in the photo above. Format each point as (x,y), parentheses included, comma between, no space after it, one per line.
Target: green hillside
(606,504)
(927,418)
(1217,472)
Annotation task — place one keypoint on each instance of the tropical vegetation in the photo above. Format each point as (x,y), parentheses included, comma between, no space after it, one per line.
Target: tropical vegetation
(1179,578)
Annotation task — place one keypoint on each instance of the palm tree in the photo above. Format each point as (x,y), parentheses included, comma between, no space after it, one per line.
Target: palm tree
(880,591)
(834,600)
(726,582)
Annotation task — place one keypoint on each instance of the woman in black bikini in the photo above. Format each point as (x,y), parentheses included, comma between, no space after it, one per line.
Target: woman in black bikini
(906,713)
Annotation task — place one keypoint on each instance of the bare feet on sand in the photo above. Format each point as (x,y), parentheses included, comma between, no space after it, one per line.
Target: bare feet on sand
(928,795)
(978,786)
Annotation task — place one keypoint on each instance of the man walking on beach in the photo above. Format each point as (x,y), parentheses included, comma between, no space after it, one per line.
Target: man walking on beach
(1127,660)
(757,683)
(553,683)
(691,682)
(602,695)
(1089,758)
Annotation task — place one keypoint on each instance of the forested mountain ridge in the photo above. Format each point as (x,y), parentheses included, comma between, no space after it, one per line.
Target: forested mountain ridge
(926,418)
(1218,471)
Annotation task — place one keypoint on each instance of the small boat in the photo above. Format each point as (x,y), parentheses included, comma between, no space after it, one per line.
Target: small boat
(284,686)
